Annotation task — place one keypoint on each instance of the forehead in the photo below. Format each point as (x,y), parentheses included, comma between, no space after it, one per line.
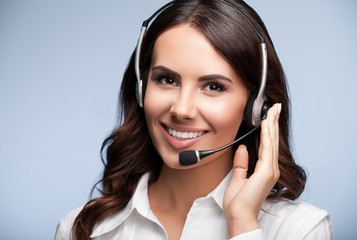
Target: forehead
(184,48)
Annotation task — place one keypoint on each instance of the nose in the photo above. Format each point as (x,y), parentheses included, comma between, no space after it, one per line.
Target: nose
(185,105)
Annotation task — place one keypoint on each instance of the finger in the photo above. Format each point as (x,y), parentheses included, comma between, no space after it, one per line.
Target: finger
(240,163)
(269,153)
(273,116)
(265,160)
(277,136)
(272,128)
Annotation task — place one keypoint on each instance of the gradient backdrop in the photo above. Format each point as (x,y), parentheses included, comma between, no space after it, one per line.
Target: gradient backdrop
(61,64)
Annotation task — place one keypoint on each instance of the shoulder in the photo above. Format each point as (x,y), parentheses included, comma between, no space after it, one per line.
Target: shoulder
(64,227)
(287,207)
(287,218)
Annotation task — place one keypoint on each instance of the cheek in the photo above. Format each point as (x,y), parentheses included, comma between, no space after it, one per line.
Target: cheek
(156,103)
(151,104)
(150,100)
(152,109)
(225,116)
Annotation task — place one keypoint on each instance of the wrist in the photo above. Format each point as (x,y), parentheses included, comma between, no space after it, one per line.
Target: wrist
(239,226)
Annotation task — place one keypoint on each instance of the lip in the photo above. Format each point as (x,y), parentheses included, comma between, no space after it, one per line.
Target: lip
(181,143)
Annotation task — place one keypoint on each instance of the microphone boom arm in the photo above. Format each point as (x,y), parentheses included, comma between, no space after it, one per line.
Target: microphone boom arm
(190,157)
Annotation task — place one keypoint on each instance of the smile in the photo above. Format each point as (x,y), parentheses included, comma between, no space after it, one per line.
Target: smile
(184,135)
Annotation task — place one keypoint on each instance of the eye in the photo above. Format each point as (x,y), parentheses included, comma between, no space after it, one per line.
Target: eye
(165,80)
(168,81)
(214,87)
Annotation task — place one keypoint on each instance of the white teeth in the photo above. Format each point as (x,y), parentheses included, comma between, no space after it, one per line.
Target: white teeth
(184,135)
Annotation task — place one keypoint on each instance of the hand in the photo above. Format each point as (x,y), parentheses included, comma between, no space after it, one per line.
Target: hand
(244,196)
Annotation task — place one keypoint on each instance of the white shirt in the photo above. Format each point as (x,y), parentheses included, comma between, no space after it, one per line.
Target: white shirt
(279,219)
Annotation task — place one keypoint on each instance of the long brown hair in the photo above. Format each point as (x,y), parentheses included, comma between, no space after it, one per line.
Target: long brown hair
(128,152)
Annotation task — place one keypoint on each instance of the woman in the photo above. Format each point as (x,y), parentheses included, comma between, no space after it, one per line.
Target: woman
(200,62)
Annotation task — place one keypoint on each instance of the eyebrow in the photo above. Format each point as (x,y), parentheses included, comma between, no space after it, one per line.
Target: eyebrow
(167,71)
(209,77)
(213,77)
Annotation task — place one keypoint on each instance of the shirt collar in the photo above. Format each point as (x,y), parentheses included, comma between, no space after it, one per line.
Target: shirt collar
(140,202)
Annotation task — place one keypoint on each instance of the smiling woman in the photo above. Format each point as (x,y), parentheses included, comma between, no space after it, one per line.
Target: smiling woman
(188,88)
(203,83)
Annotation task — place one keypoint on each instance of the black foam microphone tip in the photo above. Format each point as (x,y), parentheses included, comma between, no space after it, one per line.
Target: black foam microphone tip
(188,158)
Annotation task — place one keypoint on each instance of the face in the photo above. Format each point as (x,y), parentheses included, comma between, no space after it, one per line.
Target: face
(194,99)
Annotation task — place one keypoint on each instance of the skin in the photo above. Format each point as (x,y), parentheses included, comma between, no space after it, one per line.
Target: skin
(190,87)
(244,196)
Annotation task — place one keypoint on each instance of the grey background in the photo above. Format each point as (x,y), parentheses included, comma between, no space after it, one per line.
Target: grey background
(61,63)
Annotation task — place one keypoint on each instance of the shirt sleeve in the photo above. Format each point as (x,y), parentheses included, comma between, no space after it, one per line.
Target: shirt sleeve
(323,230)
(252,235)
(62,232)
(64,227)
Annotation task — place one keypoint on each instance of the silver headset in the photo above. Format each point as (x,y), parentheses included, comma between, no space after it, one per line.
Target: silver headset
(255,109)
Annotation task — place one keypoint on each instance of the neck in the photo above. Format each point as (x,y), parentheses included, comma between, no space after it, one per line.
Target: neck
(179,188)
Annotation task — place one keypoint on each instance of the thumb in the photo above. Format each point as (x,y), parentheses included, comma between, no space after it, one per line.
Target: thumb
(240,164)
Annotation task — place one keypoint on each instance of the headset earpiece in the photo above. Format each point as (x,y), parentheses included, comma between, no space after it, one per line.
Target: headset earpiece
(256,109)
(139,81)
(139,92)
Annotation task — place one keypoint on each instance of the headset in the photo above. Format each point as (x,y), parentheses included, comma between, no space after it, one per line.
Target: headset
(257,104)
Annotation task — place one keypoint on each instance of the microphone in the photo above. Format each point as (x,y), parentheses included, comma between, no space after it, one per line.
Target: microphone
(191,157)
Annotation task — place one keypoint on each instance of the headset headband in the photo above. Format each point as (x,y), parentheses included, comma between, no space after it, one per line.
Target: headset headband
(260,99)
